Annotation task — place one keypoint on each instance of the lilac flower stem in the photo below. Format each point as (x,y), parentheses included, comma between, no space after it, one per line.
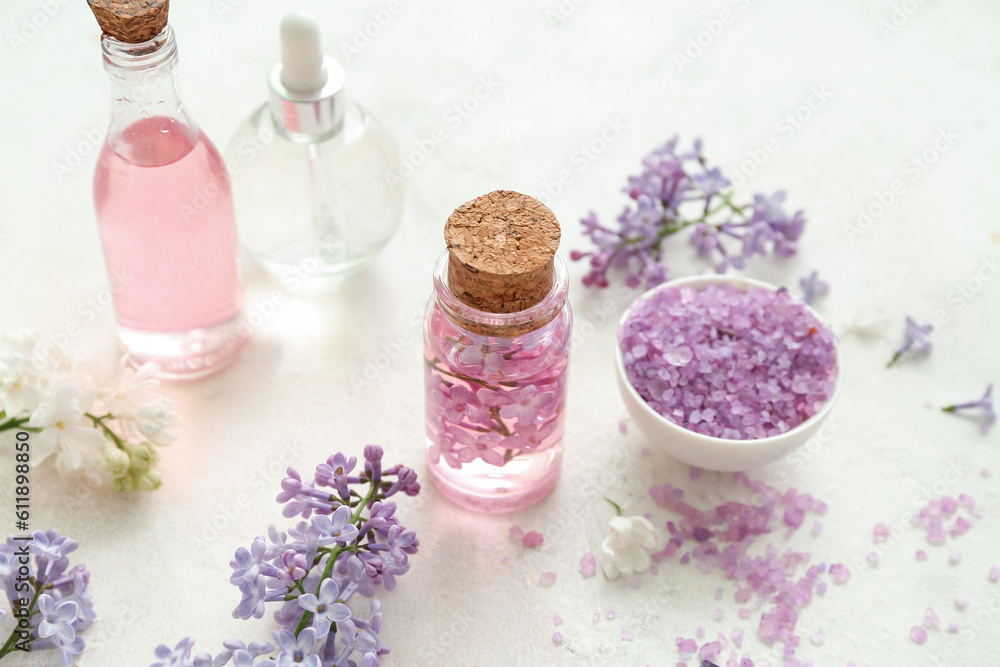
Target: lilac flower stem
(99,422)
(618,508)
(434,363)
(334,554)
(17,423)
(10,645)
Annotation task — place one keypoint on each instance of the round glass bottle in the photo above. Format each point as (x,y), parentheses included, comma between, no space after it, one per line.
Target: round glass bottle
(495,395)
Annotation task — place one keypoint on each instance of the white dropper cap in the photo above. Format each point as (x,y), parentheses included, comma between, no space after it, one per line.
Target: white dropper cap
(302,68)
(307,88)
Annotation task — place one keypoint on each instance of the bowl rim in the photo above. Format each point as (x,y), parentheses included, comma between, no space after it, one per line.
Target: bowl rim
(738,281)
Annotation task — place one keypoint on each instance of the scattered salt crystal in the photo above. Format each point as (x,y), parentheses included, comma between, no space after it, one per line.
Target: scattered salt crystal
(953,627)
(653,569)
(994,574)
(597,616)
(506,560)
(986,473)
(557,637)
(700,632)
(611,613)
(880,532)
(873,557)
(955,557)
(817,528)
(635,582)
(961,601)
(840,573)
(686,645)
(718,593)
(737,636)
(627,635)
(744,613)
(622,426)
(548,578)
(588,564)
(694,473)
(921,555)
(918,634)
(645,451)
(931,619)
(718,614)
(516,533)
(710,650)
(817,639)
(821,588)
(532,539)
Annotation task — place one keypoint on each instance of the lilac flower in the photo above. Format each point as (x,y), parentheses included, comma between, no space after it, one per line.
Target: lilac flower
(297,652)
(485,354)
(246,659)
(233,646)
(406,482)
(56,619)
(458,403)
(373,462)
(525,404)
(247,564)
(676,191)
(178,656)
(915,340)
(50,548)
(985,403)
(480,445)
(336,528)
(813,287)
(398,541)
(325,608)
(335,473)
(529,438)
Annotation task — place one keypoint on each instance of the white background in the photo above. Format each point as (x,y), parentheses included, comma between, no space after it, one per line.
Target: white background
(159,570)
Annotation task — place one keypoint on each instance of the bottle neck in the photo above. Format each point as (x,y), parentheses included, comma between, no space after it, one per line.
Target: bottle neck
(144,89)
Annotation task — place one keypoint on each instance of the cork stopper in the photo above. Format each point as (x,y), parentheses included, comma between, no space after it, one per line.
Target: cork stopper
(131,21)
(501,248)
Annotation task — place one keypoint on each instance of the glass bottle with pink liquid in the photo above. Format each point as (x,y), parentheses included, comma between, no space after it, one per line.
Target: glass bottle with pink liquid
(165,216)
(496,347)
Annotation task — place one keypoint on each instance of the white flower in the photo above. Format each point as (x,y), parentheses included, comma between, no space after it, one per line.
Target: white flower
(867,323)
(19,392)
(626,549)
(131,390)
(155,420)
(59,416)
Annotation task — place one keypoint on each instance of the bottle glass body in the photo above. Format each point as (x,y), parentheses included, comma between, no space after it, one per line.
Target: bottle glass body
(165,216)
(495,404)
(313,209)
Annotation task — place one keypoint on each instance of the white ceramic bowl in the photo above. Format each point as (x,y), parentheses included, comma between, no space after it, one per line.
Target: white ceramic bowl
(705,451)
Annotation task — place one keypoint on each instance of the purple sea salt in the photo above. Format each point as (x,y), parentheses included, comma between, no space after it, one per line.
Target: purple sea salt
(557,620)
(961,601)
(548,578)
(532,539)
(627,635)
(588,564)
(955,557)
(710,650)
(994,574)
(918,634)
(921,555)
(516,533)
(737,636)
(728,363)
(686,645)
(557,638)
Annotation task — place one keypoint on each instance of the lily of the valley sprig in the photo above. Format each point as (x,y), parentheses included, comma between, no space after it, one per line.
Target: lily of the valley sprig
(111,430)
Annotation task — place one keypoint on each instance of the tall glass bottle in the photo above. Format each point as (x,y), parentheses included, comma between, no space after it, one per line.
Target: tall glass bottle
(165,216)
(496,381)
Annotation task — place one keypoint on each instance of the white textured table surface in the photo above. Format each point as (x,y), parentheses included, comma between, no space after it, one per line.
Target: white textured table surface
(160,568)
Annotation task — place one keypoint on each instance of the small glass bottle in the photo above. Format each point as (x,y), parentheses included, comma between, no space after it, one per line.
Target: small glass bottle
(310,168)
(164,208)
(496,346)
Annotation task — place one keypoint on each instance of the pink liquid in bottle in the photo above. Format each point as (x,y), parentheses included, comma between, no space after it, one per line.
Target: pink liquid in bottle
(165,215)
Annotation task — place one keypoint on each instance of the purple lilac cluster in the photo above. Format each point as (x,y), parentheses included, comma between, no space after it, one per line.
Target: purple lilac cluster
(351,541)
(48,598)
(676,191)
(729,363)
(722,538)
(494,399)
